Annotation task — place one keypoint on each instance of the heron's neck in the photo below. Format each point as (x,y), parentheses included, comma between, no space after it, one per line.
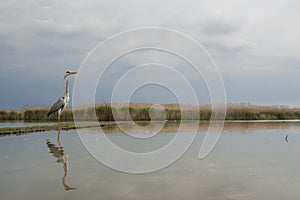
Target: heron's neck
(67,88)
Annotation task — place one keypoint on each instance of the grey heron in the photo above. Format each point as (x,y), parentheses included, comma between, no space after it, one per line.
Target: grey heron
(62,102)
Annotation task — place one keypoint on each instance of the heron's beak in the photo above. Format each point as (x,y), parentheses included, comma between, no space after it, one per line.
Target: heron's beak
(73,73)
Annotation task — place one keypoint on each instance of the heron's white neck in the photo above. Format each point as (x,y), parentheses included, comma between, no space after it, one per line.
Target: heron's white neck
(67,89)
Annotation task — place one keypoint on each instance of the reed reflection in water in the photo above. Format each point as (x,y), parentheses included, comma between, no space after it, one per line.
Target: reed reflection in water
(58,152)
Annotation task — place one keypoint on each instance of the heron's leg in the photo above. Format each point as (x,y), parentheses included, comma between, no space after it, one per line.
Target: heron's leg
(58,123)
(58,139)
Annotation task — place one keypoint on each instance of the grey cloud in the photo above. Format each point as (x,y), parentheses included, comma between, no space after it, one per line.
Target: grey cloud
(219,27)
(43,38)
(228,45)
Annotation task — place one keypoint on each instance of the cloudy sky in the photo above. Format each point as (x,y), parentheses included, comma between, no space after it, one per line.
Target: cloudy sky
(255,44)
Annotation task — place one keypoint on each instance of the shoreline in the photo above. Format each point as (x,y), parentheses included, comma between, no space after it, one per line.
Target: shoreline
(6,131)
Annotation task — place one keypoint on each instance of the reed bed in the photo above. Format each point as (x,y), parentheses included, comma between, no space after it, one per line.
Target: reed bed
(145,112)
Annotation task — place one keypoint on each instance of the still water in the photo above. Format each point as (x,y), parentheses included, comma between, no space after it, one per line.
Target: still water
(250,161)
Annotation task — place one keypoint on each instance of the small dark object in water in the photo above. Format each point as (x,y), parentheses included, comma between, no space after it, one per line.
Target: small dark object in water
(286,138)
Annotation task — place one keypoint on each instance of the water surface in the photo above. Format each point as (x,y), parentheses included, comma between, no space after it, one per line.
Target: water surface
(250,161)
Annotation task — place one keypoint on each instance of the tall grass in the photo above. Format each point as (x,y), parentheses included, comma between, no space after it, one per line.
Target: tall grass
(145,112)
(252,112)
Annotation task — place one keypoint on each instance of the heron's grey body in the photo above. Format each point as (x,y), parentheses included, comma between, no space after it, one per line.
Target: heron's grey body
(62,102)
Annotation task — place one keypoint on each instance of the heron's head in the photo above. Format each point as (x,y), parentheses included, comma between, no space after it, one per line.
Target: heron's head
(68,73)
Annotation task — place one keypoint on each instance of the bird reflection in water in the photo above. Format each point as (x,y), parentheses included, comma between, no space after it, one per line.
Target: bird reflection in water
(58,152)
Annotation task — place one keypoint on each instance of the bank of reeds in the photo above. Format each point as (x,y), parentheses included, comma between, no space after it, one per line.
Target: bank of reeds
(144,112)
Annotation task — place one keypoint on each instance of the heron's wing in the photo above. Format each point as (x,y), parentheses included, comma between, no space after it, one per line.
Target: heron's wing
(59,104)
